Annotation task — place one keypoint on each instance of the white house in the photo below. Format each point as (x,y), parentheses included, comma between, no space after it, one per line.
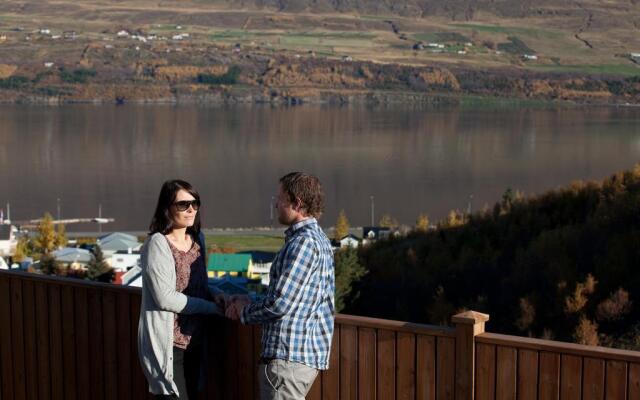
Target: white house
(530,57)
(122,34)
(112,243)
(122,260)
(350,241)
(8,240)
(75,258)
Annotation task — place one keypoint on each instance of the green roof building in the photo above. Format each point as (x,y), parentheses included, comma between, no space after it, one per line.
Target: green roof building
(228,264)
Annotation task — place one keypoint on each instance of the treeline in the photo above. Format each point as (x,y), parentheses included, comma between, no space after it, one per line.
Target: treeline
(564,265)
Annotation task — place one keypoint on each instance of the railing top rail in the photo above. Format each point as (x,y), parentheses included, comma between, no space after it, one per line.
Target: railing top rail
(367,322)
(559,347)
(70,281)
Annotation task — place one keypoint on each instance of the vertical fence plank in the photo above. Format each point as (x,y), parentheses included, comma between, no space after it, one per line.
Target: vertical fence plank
(42,339)
(386,365)
(634,381)
(6,354)
(507,368)
(246,370)
(367,363)
(485,371)
(445,370)
(315,393)
(571,373)
(527,375)
(426,368)
(406,368)
(82,342)
(123,356)
(17,328)
(257,350)
(348,362)
(616,384)
(231,360)
(138,383)
(55,342)
(96,355)
(68,343)
(331,377)
(31,350)
(110,346)
(214,388)
(593,383)
(549,376)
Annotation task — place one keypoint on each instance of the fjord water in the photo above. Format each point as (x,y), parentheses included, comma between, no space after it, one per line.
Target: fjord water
(412,160)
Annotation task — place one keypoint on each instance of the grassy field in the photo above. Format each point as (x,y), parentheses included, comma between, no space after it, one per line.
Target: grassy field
(607,69)
(512,30)
(245,243)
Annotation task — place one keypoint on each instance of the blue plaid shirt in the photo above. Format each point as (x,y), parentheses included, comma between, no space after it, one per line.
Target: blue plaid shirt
(298,310)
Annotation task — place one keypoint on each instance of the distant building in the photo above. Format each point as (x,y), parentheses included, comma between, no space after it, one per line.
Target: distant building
(235,265)
(74,258)
(530,57)
(261,264)
(123,260)
(372,233)
(133,277)
(230,285)
(114,242)
(122,34)
(8,240)
(349,241)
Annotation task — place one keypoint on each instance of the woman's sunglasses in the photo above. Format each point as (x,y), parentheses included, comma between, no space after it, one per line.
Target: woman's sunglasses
(184,205)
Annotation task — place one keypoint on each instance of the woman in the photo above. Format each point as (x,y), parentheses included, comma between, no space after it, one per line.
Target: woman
(174,295)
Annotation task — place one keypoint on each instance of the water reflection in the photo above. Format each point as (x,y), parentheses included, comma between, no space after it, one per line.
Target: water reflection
(411,160)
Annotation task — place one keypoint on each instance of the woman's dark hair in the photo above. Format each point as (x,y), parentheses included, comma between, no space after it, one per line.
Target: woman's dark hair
(162,221)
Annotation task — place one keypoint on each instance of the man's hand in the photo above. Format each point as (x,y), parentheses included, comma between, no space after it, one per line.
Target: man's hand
(235,304)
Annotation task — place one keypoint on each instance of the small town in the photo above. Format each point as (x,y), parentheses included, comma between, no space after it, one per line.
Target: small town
(115,257)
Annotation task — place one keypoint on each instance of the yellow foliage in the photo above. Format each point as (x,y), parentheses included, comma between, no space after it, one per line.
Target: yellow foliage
(7,70)
(342,226)
(586,332)
(177,73)
(422,223)
(440,77)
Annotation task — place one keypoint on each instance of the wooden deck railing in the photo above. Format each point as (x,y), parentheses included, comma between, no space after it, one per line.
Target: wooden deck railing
(68,339)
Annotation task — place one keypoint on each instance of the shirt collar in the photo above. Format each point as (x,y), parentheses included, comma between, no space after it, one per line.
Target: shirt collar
(299,225)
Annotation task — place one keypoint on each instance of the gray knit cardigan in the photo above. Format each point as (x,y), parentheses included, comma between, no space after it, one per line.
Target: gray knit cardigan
(160,302)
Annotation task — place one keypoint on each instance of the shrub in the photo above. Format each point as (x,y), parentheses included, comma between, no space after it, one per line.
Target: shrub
(79,75)
(228,78)
(14,82)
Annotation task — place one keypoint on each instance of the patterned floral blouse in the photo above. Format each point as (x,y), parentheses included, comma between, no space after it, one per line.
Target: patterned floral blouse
(191,280)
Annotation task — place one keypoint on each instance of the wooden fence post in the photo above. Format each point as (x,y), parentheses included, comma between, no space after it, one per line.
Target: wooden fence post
(468,325)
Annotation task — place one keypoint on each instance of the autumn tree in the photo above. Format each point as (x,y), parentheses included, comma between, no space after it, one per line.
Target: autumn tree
(22,250)
(342,226)
(387,221)
(61,236)
(422,223)
(45,241)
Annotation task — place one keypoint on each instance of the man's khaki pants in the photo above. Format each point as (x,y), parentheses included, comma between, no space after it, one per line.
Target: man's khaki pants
(285,380)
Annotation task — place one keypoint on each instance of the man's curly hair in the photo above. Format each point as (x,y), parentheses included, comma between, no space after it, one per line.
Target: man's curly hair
(307,188)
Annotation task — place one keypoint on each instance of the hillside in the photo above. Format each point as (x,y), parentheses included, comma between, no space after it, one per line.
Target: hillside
(562,265)
(141,50)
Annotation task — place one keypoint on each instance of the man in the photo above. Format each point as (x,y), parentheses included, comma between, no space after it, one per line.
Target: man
(297,312)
